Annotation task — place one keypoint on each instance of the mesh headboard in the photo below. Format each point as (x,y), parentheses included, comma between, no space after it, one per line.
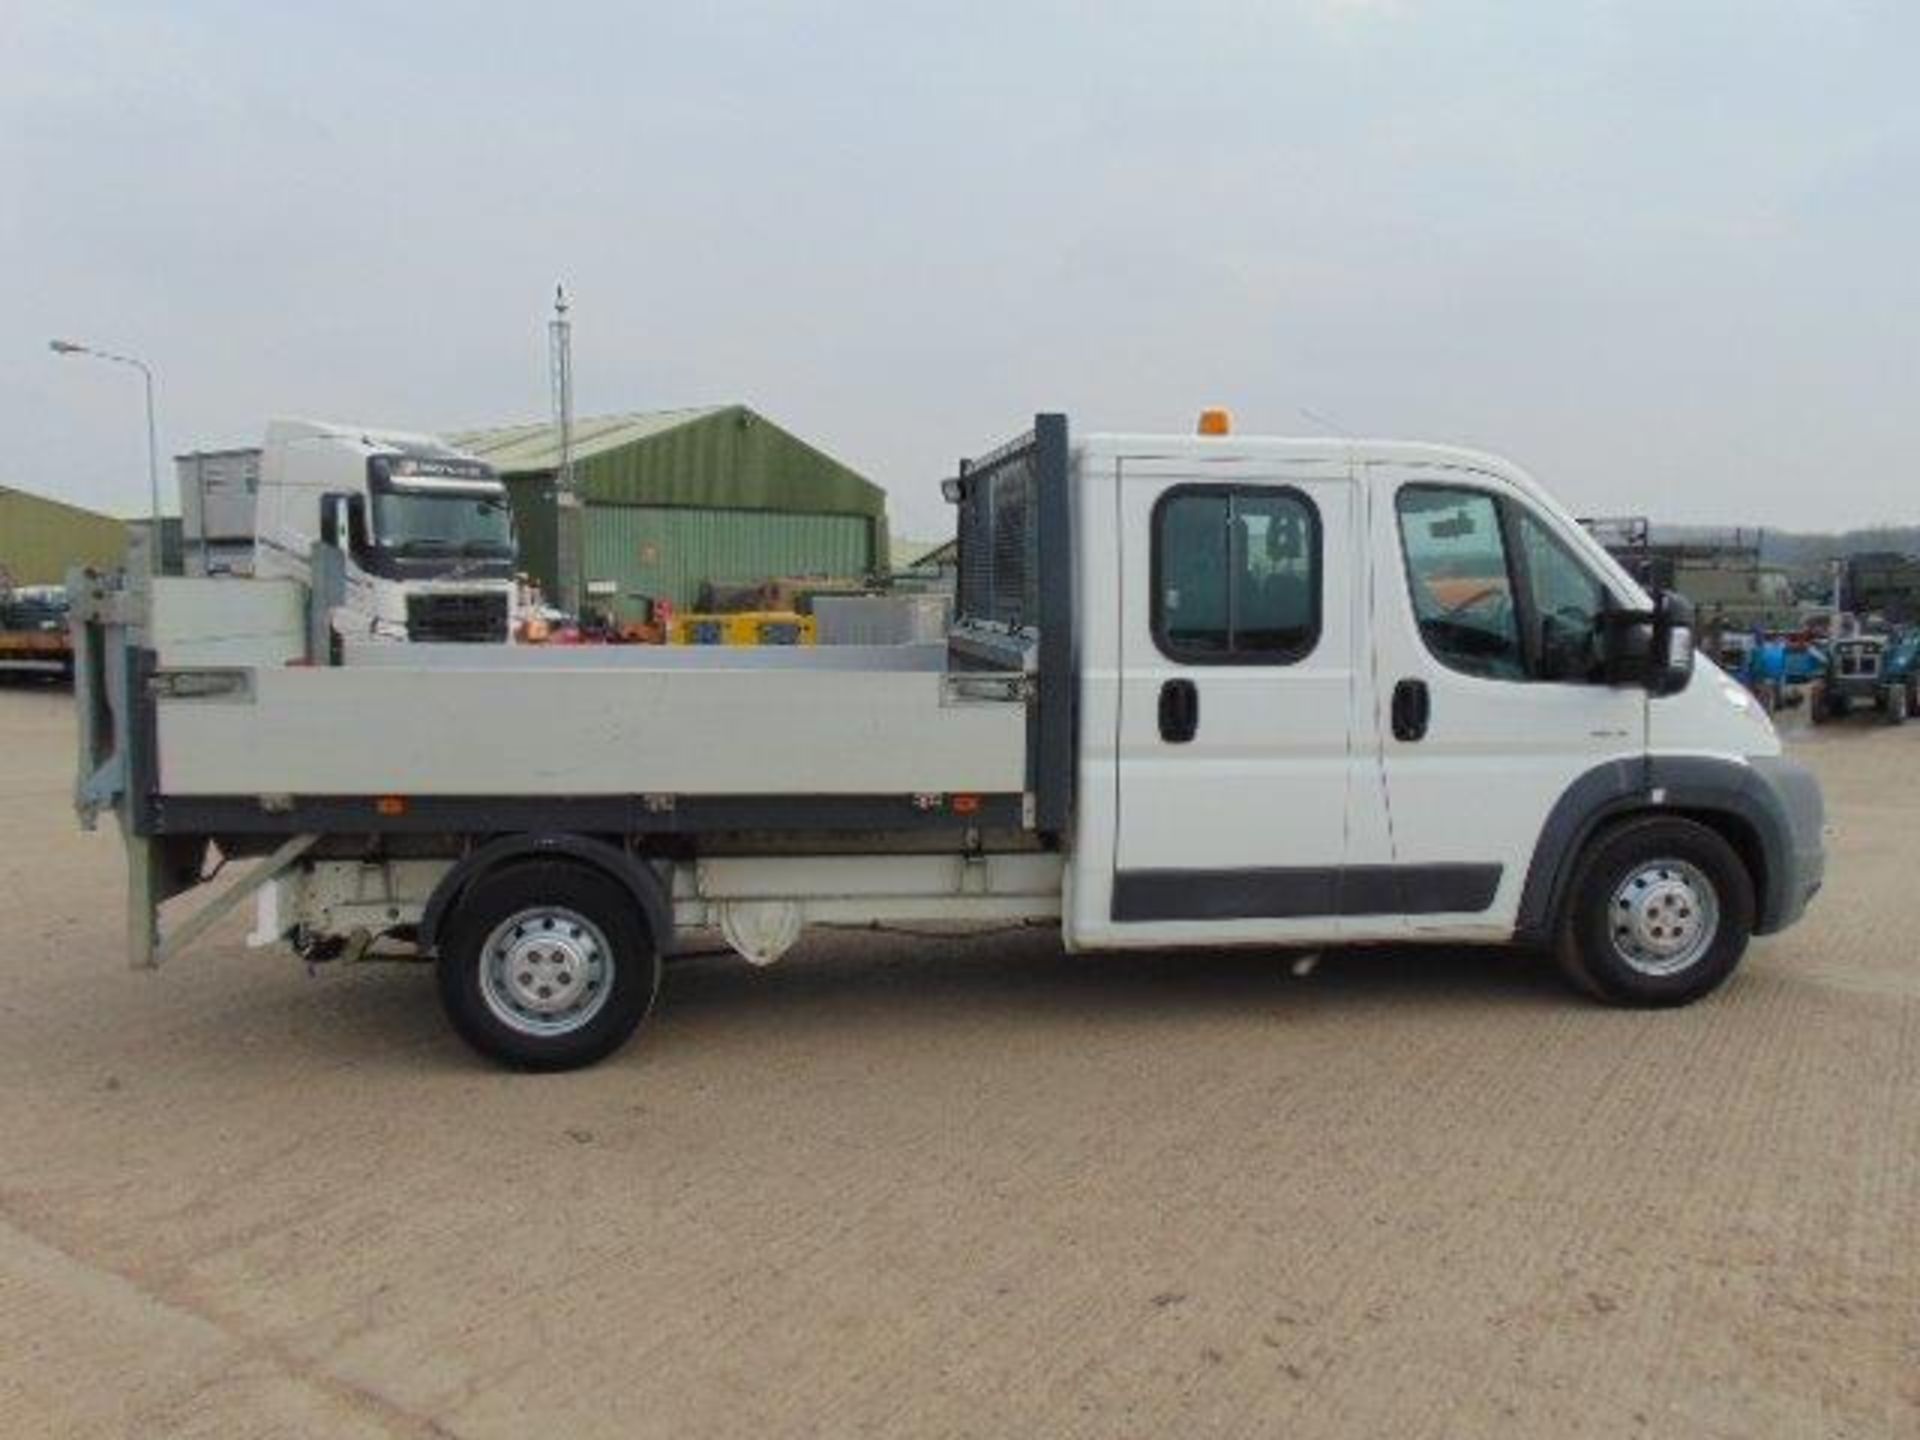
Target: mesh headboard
(999,581)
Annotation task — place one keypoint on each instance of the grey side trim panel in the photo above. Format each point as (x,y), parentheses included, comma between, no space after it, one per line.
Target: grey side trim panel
(1052,741)
(1302,892)
(645,887)
(610,814)
(1803,870)
(1774,798)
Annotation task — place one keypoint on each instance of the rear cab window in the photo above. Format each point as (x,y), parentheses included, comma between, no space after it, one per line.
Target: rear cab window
(1236,575)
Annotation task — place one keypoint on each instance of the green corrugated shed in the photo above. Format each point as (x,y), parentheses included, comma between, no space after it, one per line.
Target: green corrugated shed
(718,458)
(40,538)
(678,497)
(666,552)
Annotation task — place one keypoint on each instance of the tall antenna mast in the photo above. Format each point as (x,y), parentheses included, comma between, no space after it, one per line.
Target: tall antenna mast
(566,498)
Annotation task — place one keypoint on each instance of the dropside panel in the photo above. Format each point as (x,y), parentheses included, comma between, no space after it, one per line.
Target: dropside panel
(546,731)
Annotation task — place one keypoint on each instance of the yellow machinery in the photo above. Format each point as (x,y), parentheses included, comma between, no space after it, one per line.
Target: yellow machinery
(748,627)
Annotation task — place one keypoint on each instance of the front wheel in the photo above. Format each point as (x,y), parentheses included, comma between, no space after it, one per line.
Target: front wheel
(547,966)
(1894,705)
(1659,914)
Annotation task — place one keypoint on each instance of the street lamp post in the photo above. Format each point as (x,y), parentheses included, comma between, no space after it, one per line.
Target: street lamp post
(69,347)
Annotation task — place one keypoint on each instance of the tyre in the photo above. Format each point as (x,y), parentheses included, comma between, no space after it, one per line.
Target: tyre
(1659,913)
(1894,705)
(547,966)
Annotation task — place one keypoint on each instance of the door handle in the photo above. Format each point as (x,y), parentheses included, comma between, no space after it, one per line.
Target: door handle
(1179,711)
(1412,708)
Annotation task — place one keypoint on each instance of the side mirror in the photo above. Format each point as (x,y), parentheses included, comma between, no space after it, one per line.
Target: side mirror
(1674,646)
(343,522)
(333,511)
(1651,648)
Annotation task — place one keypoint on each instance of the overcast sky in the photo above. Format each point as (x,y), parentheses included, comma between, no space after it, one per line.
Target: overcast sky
(1665,254)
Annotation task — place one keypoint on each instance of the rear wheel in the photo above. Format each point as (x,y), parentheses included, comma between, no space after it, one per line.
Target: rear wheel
(1659,913)
(547,966)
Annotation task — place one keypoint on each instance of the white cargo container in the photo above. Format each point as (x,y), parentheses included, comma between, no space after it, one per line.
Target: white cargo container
(218,492)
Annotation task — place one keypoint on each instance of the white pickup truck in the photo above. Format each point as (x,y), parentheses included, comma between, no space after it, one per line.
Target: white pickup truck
(1200,691)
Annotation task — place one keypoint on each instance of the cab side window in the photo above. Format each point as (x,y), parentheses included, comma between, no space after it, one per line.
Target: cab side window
(1566,604)
(1461,584)
(1236,575)
(1495,592)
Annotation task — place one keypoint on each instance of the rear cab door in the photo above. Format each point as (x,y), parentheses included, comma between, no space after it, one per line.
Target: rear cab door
(1231,703)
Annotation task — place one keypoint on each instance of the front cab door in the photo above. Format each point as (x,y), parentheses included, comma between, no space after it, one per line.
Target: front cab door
(1488,668)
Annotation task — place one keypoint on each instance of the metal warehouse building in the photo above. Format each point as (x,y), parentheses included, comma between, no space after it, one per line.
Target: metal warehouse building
(676,498)
(40,538)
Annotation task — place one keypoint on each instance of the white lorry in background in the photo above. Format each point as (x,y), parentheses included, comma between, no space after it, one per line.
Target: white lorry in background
(424,532)
(1198,691)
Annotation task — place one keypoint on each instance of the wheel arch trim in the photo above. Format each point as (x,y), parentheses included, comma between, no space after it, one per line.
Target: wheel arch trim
(646,888)
(1730,796)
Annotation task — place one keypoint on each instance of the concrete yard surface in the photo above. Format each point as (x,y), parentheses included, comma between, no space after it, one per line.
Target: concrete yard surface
(926,1187)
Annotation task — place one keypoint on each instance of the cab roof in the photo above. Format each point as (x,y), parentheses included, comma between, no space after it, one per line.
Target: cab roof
(1354,450)
(373,440)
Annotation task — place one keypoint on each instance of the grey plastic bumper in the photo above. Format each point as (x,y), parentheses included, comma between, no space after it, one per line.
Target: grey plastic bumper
(1797,847)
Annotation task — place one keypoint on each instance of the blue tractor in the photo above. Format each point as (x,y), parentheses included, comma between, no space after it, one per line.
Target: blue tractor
(1879,672)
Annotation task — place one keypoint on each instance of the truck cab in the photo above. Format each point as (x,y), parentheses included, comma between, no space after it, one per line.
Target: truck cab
(424,532)
(1373,691)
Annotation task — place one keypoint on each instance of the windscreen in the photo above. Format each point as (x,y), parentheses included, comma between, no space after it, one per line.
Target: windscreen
(424,523)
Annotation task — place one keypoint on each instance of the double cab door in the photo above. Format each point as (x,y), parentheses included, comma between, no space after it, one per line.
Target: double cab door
(1348,697)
